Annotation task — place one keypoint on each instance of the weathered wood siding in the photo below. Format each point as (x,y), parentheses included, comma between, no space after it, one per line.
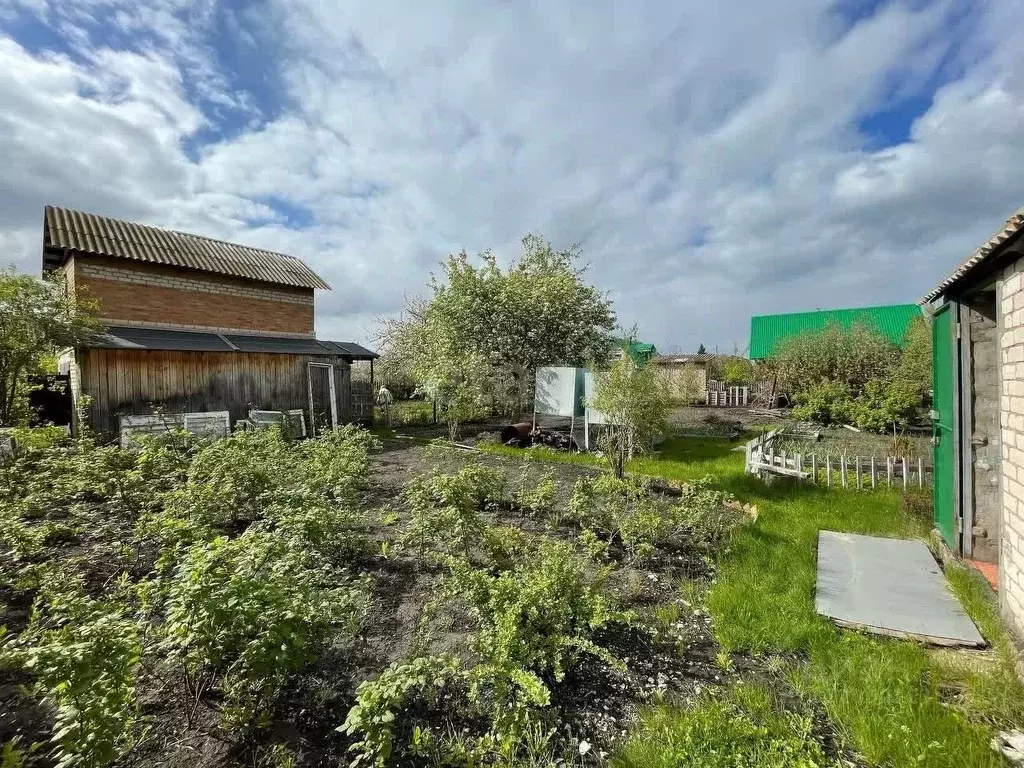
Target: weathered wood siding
(124,382)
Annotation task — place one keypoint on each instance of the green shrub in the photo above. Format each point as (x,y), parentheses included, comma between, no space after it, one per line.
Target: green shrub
(304,490)
(337,464)
(242,614)
(84,654)
(626,513)
(884,405)
(446,508)
(826,402)
(536,619)
(379,704)
(851,357)
(539,500)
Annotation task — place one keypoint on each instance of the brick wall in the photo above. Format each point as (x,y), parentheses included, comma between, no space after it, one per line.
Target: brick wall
(154,294)
(985,432)
(1011,414)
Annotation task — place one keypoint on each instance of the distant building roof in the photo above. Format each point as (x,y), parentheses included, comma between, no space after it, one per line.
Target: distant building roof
(131,337)
(682,359)
(987,250)
(65,231)
(768,331)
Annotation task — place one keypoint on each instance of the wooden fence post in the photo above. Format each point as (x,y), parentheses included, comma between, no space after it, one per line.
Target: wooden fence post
(828,469)
(872,471)
(888,470)
(920,472)
(858,474)
(904,473)
(842,468)
(814,468)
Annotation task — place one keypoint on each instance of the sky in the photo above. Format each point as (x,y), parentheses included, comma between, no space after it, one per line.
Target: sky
(712,160)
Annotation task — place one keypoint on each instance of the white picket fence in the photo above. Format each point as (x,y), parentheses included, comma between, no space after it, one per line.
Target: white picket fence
(718,395)
(860,472)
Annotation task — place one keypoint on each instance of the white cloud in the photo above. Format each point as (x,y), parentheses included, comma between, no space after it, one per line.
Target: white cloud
(708,158)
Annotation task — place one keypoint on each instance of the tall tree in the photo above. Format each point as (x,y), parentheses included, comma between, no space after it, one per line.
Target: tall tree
(504,323)
(37,318)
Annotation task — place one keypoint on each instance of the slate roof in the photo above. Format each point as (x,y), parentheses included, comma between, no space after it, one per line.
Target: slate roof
(65,230)
(1013,225)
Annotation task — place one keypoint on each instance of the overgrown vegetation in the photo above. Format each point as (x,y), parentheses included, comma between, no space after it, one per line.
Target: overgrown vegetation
(857,376)
(205,572)
(223,591)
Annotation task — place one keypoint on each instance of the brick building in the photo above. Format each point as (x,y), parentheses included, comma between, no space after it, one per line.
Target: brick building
(196,325)
(978,349)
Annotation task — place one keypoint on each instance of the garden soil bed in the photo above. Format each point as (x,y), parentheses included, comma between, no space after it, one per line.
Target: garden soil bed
(593,702)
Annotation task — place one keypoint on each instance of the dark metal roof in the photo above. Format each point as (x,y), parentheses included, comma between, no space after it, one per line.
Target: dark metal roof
(279,344)
(131,337)
(158,338)
(983,253)
(65,230)
(353,350)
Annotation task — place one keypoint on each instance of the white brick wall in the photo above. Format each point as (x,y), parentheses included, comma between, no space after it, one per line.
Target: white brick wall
(1011,420)
(189,284)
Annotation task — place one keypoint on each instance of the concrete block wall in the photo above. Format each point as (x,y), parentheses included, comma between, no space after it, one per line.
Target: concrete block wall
(985,432)
(140,293)
(1010,303)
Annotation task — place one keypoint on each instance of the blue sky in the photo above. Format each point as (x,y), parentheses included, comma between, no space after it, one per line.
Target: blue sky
(712,162)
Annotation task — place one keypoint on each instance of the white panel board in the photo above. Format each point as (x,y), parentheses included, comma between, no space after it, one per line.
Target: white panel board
(147,425)
(558,392)
(266,418)
(593,416)
(209,423)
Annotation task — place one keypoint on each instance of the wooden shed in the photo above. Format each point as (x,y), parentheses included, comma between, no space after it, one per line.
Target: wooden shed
(195,325)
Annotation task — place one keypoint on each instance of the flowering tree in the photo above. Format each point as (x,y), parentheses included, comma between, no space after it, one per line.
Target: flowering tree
(489,328)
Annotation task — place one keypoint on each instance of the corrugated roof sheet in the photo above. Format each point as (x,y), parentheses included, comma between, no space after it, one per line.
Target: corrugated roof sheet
(131,337)
(987,249)
(73,230)
(767,331)
(682,359)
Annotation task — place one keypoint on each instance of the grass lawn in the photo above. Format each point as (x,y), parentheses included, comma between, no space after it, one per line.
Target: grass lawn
(896,703)
(406,412)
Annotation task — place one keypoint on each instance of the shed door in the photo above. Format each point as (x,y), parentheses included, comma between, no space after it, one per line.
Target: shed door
(943,419)
(323,406)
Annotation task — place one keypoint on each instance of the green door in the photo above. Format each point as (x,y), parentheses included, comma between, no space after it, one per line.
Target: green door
(943,372)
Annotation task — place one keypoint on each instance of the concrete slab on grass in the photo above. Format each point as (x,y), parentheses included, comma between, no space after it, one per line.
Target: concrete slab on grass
(890,587)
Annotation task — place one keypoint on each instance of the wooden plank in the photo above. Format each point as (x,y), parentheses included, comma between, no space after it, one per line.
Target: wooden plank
(872,471)
(920,473)
(781,470)
(814,468)
(888,470)
(842,468)
(904,473)
(828,469)
(858,474)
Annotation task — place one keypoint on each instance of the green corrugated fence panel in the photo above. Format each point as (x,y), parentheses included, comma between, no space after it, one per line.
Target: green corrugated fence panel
(768,331)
